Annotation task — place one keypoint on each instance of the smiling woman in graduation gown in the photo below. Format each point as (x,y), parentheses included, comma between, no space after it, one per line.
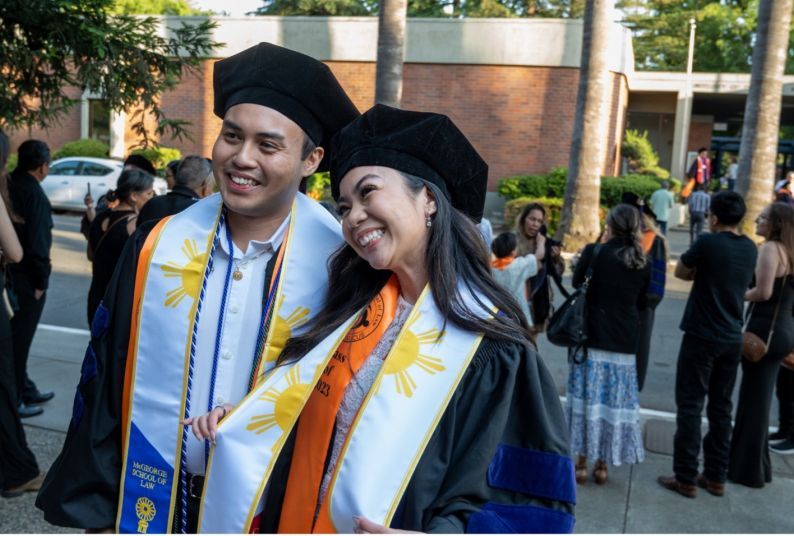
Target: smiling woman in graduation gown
(415,400)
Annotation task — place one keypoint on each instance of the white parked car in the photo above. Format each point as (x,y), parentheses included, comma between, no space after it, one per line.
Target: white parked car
(71,178)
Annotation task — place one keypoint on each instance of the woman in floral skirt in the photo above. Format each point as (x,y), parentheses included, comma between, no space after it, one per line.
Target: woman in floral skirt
(603,402)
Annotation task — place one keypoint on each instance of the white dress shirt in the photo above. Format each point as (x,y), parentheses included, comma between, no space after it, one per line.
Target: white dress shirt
(240,330)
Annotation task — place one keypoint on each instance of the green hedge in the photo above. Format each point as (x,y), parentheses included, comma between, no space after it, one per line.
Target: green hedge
(612,188)
(547,186)
(11,165)
(552,186)
(85,147)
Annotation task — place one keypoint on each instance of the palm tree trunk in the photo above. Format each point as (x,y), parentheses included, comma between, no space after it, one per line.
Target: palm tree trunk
(579,223)
(391,51)
(758,149)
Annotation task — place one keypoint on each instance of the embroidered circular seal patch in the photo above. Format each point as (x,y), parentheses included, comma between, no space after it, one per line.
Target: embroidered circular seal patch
(369,321)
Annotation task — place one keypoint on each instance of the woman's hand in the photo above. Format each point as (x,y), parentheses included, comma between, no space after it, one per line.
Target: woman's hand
(206,426)
(365,526)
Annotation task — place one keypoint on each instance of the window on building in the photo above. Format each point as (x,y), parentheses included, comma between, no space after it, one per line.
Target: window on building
(99,120)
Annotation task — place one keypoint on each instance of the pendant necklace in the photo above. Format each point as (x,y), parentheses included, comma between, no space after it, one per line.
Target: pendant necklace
(237,275)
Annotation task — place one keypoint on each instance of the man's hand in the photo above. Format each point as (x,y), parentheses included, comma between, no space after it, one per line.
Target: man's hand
(684,272)
(38,293)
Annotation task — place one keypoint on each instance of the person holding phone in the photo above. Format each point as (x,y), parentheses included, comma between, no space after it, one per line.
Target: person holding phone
(531,233)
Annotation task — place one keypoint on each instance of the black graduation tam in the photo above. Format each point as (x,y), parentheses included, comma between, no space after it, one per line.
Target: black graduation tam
(426,145)
(630,198)
(294,84)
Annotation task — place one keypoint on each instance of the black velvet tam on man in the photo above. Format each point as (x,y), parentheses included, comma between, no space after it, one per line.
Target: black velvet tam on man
(298,86)
(426,145)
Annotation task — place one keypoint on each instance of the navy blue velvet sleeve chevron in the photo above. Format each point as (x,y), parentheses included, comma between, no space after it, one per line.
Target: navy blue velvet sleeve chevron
(499,459)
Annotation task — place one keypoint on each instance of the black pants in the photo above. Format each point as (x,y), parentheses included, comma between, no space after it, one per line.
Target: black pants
(785,400)
(647,316)
(23,327)
(17,462)
(696,220)
(193,507)
(705,368)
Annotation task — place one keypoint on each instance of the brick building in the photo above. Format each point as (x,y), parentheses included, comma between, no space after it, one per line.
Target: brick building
(510,84)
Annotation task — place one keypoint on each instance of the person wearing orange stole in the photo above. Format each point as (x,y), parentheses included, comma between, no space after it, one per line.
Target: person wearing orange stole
(415,400)
(202,302)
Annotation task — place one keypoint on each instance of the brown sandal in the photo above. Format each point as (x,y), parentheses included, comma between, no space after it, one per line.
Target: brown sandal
(600,472)
(581,470)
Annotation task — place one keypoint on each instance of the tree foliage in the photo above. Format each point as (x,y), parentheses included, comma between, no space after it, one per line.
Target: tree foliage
(181,8)
(429,8)
(49,46)
(724,37)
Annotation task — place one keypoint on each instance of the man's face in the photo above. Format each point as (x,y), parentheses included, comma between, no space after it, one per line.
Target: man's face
(257,160)
(41,172)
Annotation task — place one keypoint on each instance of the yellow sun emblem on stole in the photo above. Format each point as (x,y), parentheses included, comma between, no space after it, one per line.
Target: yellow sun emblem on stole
(192,274)
(281,329)
(286,403)
(407,354)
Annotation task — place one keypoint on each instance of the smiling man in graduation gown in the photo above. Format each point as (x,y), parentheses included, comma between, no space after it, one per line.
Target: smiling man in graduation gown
(202,303)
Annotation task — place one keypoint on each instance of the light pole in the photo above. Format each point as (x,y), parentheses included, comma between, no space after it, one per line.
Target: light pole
(687,119)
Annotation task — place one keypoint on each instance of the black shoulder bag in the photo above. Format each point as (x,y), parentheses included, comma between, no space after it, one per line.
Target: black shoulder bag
(568,324)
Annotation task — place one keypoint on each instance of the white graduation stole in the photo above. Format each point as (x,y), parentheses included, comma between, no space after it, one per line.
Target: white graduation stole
(163,346)
(386,441)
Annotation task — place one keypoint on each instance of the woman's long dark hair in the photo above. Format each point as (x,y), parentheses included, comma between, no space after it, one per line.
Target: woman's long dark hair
(455,252)
(130,181)
(781,229)
(624,223)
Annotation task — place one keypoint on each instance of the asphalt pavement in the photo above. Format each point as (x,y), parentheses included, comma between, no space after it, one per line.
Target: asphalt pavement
(630,501)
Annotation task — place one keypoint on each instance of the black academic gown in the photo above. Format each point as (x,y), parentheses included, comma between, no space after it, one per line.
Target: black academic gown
(157,208)
(497,462)
(81,489)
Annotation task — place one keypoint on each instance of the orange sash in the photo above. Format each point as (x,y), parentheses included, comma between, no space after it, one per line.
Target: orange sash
(318,417)
(504,262)
(144,258)
(647,240)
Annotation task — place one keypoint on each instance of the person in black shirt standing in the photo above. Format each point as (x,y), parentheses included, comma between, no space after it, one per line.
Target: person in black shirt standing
(30,277)
(19,470)
(721,265)
(192,181)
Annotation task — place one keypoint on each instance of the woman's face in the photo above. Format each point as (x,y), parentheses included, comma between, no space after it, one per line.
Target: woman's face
(382,220)
(533,222)
(762,225)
